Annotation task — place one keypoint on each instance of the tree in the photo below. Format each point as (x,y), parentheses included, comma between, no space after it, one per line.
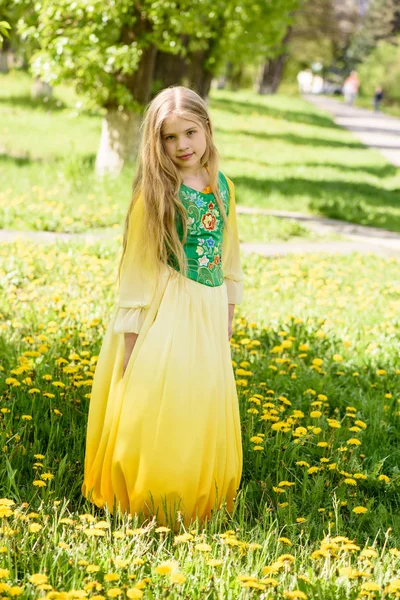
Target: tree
(378,23)
(109,52)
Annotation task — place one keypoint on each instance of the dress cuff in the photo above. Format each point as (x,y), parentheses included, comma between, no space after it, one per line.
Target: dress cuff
(129,320)
(235,291)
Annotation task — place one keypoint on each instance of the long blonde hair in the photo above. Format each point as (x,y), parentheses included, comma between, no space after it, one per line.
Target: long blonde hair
(158,180)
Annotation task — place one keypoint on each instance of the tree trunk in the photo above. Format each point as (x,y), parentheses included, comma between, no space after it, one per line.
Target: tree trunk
(271,75)
(199,78)
(41,89)
(119,141)
(272,71)
(169,69)
(120,129)
(4,56)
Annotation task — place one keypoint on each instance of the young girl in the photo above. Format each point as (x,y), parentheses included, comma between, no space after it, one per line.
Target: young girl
(163,429)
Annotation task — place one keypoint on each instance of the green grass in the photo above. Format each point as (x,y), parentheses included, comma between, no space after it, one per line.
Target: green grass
(315,353)
(280,152)
(316,359)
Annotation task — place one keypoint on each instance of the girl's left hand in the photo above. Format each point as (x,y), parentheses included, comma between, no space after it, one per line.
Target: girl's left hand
(231,312)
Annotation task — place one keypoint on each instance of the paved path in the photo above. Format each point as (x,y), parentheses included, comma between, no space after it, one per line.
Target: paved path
(361,239)
(375,130)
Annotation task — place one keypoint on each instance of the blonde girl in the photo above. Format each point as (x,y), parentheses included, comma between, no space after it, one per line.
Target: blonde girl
(163,430)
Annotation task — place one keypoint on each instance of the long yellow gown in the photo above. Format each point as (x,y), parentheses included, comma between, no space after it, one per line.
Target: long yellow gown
(166,436)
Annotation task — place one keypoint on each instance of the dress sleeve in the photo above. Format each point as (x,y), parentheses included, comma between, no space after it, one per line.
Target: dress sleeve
(231,253)
(138,276)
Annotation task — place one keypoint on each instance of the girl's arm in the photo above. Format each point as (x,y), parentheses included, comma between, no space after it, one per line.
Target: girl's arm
(231,263)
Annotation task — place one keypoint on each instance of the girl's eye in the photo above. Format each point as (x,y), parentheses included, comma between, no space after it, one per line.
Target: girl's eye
(169,137)
(191,131)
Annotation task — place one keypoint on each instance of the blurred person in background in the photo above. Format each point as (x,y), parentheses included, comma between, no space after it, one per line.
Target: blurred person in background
(350,88)
(378,97)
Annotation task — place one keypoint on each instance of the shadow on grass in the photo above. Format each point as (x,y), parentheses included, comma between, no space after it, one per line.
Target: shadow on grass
(381,172)
(26,101)
(246,108)
(52,104)
(342,200)
(299,140)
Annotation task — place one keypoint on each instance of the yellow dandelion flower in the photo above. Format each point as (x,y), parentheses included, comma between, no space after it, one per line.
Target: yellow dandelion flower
(384,478)
(34,527)
(4,573)
(313,470)
(47,476)
(178,578)
(285,540)
(203,547)
(295,595)
(38,578)
(27,417)
(114,592)
(269,581)
(134,593)
(213,562)
(300,519)
(360,510)
(354,442)
(370,586)
(39,483)
(111,577)
(92,568)
(302,463)
(15,590)
(337,357)
(315,414)
(350,481)
(165,568)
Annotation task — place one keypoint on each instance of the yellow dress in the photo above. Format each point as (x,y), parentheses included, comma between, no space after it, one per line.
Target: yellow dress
(166,435)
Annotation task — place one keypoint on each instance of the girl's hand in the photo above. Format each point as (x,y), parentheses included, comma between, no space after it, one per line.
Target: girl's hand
(231,312)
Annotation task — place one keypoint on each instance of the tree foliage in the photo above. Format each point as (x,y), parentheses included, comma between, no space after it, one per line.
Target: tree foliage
(99,45)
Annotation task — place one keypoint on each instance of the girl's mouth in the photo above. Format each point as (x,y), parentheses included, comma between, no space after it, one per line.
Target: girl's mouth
(185,156)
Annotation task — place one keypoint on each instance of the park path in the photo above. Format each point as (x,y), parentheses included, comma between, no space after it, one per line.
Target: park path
(357,238)
(376,130)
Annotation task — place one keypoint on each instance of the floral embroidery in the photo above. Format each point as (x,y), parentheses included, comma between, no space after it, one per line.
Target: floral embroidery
(205,225)
(209,221)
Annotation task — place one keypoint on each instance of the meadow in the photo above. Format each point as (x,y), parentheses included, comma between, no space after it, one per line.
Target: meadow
(316,358)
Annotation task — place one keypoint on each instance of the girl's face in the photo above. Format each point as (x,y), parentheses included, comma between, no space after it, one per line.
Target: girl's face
(184,141)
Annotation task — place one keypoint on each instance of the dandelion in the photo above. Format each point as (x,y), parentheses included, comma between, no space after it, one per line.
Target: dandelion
(295,595)
(285,540)
(178,578)
(354,442)
(213,562)
(203,547)
(39,483)
(360,510)
(384,478)
(38,578)
(133,593)
(165,568)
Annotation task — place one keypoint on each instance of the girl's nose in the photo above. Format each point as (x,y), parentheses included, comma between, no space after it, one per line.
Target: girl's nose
(182,144)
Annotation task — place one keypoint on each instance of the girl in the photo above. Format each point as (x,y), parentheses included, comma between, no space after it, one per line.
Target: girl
(163,429)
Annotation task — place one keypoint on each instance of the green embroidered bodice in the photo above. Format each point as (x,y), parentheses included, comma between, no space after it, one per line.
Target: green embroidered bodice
(205,227)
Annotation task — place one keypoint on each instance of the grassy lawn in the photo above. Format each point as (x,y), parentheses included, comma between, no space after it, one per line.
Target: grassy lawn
(280,152)
(315,353)
(316,357)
